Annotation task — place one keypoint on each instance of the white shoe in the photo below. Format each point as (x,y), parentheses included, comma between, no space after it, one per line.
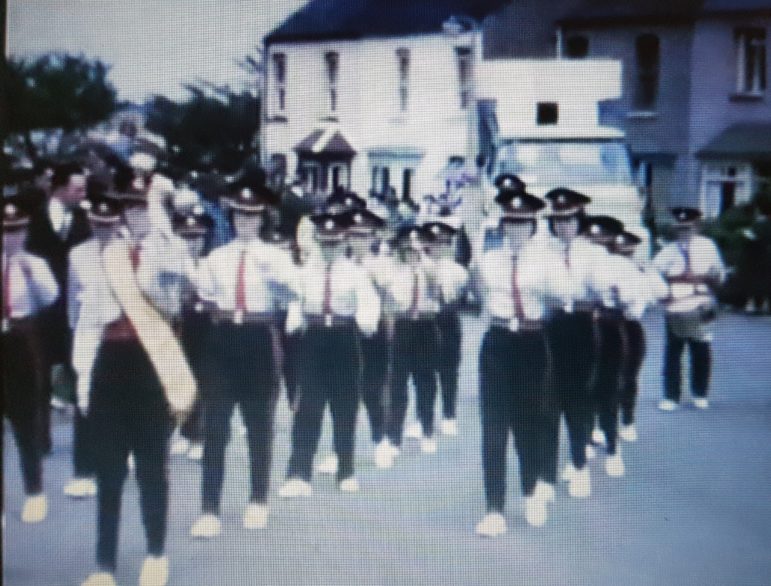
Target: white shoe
(598,437)
(667,405)
(449,427)
(80,488)
(207,526)
(155,571)
(535,511)
(429,445)
(591,453)
(614,465)
(328,465)
(350,484)
(701,403)
(580,486)
(545,491)
(100,579)
(384,456)
(492,525)
(628,433)
(414,431)
(568,472)
(295,487)
(195,453)
(179,446)
(255,516)
(35,509)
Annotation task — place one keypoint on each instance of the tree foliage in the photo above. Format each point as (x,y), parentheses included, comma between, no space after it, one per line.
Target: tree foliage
(56,91)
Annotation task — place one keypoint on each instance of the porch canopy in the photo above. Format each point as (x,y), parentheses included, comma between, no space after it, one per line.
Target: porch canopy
(743,142)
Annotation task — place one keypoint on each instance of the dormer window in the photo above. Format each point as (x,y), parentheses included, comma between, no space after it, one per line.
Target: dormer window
(332,60)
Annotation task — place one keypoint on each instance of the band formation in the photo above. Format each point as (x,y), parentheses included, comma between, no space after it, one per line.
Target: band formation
(170,312)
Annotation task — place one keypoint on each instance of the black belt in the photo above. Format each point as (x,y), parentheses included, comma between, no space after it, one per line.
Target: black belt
(330,321)
(517,325)
(243,317)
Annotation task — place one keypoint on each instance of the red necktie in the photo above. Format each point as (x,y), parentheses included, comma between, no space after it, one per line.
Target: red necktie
(241,284)
(136,256)
(327,306)
(7,291)
(515,295)
(415,296)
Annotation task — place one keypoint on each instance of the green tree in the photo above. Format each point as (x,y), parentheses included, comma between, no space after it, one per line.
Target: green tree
(56,91)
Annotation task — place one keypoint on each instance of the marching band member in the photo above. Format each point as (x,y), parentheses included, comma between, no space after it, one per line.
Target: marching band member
(625,245)
(104,216)
(132,376)
(28,287)
(571,331)
(337,303)
(453,280)
(693,268)
(411,287)
(242,279)
(193,227)
(518,292)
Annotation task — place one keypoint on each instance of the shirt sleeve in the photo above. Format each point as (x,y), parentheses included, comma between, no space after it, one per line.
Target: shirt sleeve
(74,287)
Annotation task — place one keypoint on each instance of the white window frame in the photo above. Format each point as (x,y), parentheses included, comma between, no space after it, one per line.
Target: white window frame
(332,65)
(465,55)
(752,83)
(403,66)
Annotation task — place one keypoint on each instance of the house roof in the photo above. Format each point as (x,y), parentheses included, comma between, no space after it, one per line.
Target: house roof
(657,11)
(746,141)
(357,19)
(329,140)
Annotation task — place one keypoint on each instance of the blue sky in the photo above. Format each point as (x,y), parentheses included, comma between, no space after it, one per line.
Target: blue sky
(153,45)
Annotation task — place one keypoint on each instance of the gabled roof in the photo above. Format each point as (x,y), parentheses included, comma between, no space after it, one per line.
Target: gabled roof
(747,141)
(328,140)
(357,19)
(657,11)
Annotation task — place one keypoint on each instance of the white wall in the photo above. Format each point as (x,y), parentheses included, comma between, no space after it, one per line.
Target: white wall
(368,102)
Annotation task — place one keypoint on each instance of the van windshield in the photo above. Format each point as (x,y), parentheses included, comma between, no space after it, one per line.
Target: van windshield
(556,163)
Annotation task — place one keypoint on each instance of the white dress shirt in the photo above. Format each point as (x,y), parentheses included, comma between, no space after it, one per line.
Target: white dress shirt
(352,294)
(541,281)
(29,283)
(702,257)
(60,217)
(270,277)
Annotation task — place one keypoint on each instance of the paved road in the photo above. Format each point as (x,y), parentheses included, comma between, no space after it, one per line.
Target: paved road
(694,507)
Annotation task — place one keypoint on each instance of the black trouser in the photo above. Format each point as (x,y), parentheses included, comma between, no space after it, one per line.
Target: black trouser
(291,344)
(245,375)
(22,389)
(82,446)
(448,322)
(605,390)
(330,372)
(195,335)
(129,414)
(513,396)
(375,366)
(572,341)
(701,360)
(414,353)
(633,359)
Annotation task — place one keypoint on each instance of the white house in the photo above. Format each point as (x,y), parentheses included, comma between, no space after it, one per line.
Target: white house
(373,95)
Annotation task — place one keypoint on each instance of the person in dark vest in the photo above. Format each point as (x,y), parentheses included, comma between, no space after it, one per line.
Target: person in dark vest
(337,304)
(693,269)
(133,377)
(28,288)
(54,229)
(104,215)
(242,280)
(517,285)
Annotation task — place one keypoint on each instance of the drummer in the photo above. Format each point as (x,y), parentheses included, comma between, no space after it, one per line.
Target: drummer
(693,268)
